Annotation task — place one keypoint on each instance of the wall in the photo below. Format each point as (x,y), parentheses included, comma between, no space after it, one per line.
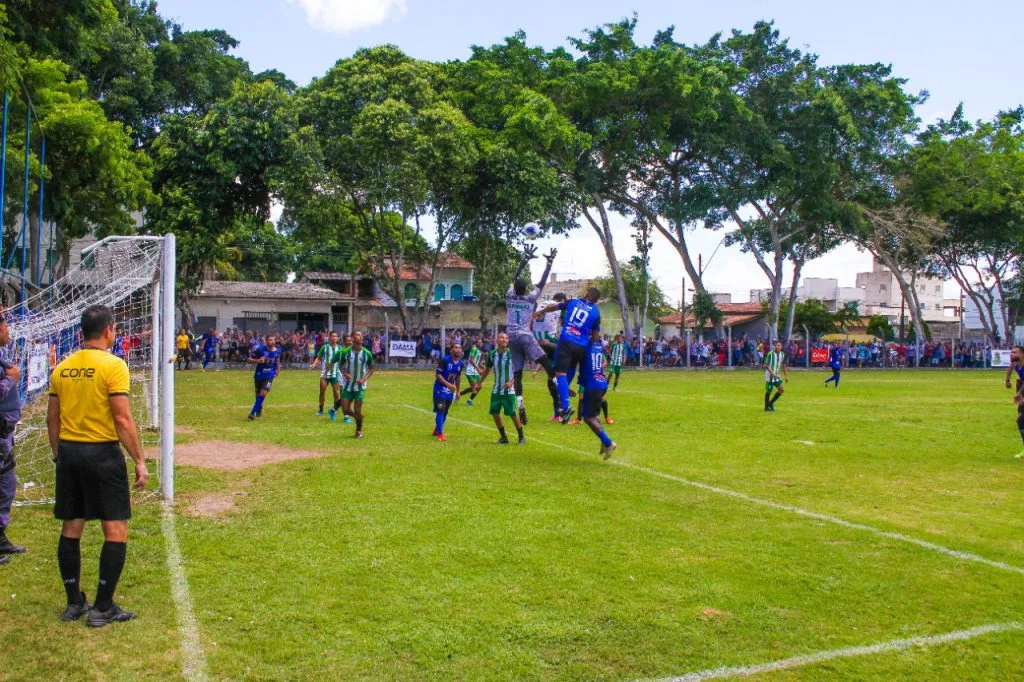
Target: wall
(225,311)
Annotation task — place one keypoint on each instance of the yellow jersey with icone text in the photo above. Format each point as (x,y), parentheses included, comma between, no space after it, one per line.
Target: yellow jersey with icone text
(83,384)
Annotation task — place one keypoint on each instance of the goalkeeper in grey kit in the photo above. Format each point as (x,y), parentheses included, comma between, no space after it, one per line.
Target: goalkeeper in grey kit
(521,304)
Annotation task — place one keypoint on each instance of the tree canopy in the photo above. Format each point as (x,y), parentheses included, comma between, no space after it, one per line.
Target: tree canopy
(386,163)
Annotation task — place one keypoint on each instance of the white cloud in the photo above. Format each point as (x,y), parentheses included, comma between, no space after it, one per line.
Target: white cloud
(345,16)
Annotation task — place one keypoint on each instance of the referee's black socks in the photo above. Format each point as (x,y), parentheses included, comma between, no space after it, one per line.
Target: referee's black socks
(112,558)
(69,559)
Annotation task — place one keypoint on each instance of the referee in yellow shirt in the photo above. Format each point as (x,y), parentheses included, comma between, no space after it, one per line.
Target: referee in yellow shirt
(88,415)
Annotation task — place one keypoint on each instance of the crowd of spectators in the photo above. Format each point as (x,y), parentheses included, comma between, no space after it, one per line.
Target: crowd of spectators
(299,347)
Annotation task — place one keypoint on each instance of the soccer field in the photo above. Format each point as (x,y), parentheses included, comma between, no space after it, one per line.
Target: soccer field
(836,529)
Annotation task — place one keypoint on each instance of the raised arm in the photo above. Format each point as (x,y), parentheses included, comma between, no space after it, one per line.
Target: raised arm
(550,258)
(529,253)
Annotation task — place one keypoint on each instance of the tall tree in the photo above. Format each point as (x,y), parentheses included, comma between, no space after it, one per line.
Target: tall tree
(213,175)
(805,141)
(381,138)
(971,176)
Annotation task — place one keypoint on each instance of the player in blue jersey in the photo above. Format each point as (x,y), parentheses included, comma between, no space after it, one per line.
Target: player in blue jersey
(835,361)
(267,358)
(447,383)
(582,317)
(593,373)
(1017,368)
(210,341)
(120,348)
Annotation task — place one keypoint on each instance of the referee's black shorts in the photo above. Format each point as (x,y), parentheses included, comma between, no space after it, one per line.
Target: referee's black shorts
(569,356)
(92,482)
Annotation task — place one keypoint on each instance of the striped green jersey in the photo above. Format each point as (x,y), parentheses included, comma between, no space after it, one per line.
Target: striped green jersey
(474,361)
(328,357)
(356,364)
(618,354)
(773,364)
(501,364)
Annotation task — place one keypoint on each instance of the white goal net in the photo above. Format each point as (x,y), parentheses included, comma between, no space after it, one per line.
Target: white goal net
(126,274)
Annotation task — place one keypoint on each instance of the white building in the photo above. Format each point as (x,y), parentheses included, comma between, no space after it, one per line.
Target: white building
(883,296)
(877,293)
(824,289)
(270,306)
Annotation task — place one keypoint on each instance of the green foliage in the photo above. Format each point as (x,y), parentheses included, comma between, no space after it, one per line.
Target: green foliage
(495,262)
(705,310)
(266,254)
(633,280)
(814,315)
(848,315)
(879,326)
(213,175)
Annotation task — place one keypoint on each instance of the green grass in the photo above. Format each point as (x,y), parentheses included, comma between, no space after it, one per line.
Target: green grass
(403,558)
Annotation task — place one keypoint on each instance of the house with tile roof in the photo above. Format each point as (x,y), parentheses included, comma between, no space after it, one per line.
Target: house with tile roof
(744,318)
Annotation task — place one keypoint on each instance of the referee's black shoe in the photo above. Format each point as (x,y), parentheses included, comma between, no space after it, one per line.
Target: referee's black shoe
(75,611)
(115,614)
(8,547)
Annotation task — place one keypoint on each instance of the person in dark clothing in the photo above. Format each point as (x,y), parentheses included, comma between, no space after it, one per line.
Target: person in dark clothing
(10,413)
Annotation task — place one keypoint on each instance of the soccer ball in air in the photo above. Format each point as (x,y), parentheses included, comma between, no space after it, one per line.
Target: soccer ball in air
(531,231)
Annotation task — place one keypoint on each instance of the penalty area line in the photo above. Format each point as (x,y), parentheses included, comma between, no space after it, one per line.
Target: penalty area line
(849,652)
(193,658)
(899,537)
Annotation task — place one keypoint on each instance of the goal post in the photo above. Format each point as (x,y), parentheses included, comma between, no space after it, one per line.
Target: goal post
(135,277)
(165,286)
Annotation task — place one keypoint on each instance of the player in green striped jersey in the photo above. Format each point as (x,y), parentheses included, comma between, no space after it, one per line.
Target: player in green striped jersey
(618,359)
(476,361)
(346,344)
(356,365)
(329,373)
(503,397)
(774,371)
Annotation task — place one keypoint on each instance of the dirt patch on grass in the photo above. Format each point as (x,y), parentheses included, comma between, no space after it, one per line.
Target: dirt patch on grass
(230,456)
(185,430)
(213,505)
(709,615)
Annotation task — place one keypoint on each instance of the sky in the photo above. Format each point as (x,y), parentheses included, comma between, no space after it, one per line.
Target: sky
(956,51)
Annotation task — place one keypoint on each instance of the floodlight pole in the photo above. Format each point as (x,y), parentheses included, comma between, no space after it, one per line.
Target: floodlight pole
(39,224)
(24,211)
(167,276)
(3,169)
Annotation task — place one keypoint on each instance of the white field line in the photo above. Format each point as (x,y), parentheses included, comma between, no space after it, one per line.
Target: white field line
(823,656)
(193,659)
(964,556)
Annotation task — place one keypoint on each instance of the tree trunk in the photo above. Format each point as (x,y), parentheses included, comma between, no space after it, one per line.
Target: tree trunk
(997,273)
(798,266)
(484,317)
(909,294)
(955,269)
(604,233)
